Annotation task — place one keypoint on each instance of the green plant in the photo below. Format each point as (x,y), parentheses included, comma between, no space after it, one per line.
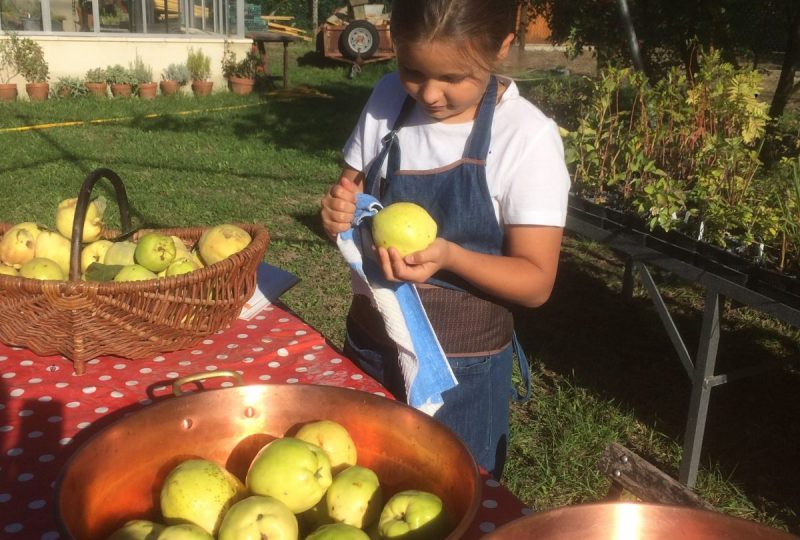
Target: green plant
(140,71)
(246,68)
(178,73)
(199,65)
(22,56)
(68,87)
(119,74)
(95,75)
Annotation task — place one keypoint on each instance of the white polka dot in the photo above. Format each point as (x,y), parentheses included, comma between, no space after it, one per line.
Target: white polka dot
(119,366)
(379,394)
(9,375)
(283,319)
(26,412)
(222,357)
(283,352)
(211,368)
(226,384)
(35,380)
(25,477)
(101,410)
(492,483)
(264,377)
(248,360)
(233,346)
(45,399)
(146,370)
(65,441)
(61,385)
(93,361)
(50,535)
(293,342)
(266,340)
(356,376)
(46,458)
(159,359)
(308,357)
(258,349)
(300,333)
(13,528)
(3,358)
(14,451)
(261,317)
(208,341)
(4,497)
(251,326)
(35,434)
(104,378)
(26,363)
(292,380)
(6,429)
(336,360)
(16,392)
(317,348)
(172,375)
(301,369)
(131,383)
(184,363)
(489,503)
(487,527)
(73,404)
(197,352)
(242,336)
(274,364)
(35,505)
(54,419)
(328,373)
(84,425)
(89,389)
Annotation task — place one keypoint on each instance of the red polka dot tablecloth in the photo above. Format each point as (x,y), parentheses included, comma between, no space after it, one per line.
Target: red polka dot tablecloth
(47,411)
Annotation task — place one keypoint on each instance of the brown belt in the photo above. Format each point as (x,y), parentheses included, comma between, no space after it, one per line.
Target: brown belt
(465,324)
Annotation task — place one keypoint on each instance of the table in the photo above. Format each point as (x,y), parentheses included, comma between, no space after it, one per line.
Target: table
(260,39)
(47,411)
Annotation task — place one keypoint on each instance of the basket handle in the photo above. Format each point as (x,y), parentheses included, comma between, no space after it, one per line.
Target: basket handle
(176,386)
(81,208)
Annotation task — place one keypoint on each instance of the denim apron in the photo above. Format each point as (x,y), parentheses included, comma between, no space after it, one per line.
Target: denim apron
(476,332)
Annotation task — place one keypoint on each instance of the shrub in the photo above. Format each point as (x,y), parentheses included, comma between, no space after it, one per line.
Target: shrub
(68,87)
(199,65)
(119,74)
(95,75)
(178,73)
(141,72)
(247,68)
(22,56)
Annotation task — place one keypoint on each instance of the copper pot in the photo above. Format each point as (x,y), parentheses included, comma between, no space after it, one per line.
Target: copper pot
(634,521)
(116,475)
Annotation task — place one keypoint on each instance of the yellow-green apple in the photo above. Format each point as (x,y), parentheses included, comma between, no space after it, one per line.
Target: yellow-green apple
(258,518)
(293,471)
(220,242)
(338,531)
(137,529)
(41,268)
(54,246)
(6,270)
(94,253)
(405,226)
(17,247)
(355,497)
(413,514)
(180,266)
(199,491)
(334,439)
(92,225)
(154,251)
(134,272)
(120,253)
(184,531)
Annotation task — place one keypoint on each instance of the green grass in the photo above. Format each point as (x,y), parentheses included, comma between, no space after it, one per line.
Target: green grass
(604,369)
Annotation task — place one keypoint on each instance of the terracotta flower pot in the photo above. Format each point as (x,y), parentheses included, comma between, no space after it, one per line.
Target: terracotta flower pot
(122,90)
(37,91)
(241,87)
(169,88)
(96,88)
(148,90)
(202,88)
(8,92)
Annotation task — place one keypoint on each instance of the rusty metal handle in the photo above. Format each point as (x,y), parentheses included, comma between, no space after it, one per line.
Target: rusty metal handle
(81,208)
(176,385)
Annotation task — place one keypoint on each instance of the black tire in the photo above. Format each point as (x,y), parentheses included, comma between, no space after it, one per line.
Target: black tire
(359,39)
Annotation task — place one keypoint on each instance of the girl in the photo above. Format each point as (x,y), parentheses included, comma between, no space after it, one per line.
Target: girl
(447,134)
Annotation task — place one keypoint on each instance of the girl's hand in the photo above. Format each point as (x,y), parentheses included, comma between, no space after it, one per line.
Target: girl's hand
(416,267)
(339,204)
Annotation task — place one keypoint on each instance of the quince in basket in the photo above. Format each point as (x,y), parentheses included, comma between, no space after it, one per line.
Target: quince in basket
(93,224)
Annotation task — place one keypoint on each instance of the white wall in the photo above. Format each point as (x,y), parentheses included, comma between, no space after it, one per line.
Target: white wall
(74,56)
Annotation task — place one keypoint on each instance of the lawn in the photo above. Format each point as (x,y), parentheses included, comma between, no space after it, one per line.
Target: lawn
(604,369)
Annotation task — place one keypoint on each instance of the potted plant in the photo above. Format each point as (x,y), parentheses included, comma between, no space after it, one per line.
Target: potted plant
(33,68)
(173,78)
(143,74)
(65,87)
(8,67)
(95,82)
(200,68)
(241,74)
(120,80)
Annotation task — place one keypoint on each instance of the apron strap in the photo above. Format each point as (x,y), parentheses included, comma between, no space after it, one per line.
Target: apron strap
(479,143)
(374,184)
(524,370)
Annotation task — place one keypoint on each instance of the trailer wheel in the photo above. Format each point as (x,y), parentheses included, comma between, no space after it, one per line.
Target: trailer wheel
(359,39)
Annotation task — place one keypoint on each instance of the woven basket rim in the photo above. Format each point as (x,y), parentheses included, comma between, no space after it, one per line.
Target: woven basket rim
(259,240)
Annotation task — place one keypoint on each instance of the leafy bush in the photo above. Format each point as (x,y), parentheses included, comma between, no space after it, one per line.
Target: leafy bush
(22,56)
(95,75)
(141,72)
(199,65)
(68,87)
(119,74)
(178,73)
(246,68)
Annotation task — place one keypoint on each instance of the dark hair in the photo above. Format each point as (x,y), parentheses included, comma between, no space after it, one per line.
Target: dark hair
(483,24)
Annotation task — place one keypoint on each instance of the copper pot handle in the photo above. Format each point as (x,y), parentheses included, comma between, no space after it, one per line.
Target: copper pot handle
(176,385)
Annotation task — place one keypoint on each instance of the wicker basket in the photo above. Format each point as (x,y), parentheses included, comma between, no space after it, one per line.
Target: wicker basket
(82,320)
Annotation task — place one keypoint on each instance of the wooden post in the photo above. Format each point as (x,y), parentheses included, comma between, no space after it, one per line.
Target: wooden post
(522,23)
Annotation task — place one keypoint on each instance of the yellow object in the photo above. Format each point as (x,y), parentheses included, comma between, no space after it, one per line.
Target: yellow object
(405,226)
(220,242)
(92,225)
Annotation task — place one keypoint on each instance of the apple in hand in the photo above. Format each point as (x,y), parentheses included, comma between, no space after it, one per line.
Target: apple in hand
(338,531)
(137,529)
(184,531)
(334,439)
(199,491)
(258,518)
(355,497)
(295,472)
(413,514)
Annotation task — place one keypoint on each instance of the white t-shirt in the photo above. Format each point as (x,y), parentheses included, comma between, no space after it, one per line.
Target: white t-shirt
(527,177)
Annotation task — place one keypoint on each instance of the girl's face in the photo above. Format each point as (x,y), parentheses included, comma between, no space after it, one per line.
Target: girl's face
(444,81)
